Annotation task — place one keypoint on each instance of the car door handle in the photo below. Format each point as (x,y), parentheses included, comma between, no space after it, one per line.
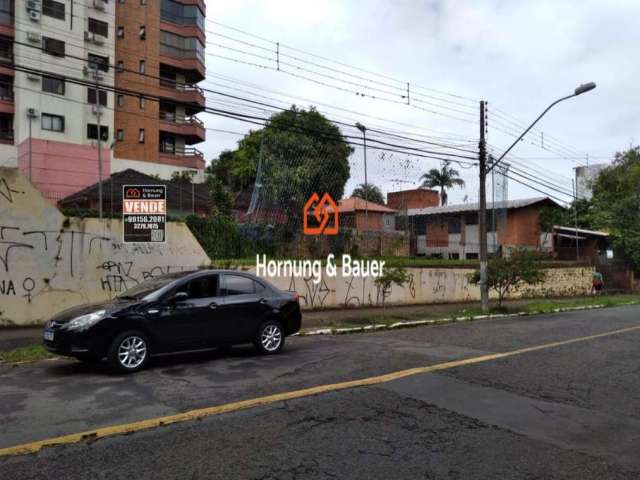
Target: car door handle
(263,301)
(213,305)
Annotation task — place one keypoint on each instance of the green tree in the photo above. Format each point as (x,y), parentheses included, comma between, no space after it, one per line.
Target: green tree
(369,192)
(505,274)
(299,152)
(442,178)
(616,204)
(390,277)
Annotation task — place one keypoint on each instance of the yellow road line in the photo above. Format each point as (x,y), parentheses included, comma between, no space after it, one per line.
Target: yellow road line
(97,433)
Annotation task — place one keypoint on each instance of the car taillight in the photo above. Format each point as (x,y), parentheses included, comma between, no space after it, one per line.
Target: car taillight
(296,296)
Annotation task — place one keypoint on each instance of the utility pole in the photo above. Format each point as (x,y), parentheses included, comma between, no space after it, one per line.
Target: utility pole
(482,213)
(363,129)
(98,114)
(574,184)
(31,114)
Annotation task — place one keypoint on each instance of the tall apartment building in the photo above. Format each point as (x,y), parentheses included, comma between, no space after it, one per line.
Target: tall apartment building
(164,39)
(49,123)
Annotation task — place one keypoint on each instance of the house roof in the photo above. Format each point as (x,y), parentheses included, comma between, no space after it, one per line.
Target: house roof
(175,190)
(359,204)
(573,230)
(474,207)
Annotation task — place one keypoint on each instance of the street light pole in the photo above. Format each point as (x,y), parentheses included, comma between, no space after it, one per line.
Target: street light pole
(484,291)
(363,129)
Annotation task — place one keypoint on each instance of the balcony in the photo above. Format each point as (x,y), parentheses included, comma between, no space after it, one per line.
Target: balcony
(191,128)
(188,157)
(6,128)
(6,18)
(183,93)
(6,95)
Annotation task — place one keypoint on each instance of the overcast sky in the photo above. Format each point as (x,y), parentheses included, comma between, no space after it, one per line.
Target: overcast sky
(517,55)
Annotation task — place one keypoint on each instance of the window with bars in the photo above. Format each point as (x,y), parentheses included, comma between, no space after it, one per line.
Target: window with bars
(53,85)
(92,132)
(54,123)
(98,27)
(54,9)
(91,96)
(53,47)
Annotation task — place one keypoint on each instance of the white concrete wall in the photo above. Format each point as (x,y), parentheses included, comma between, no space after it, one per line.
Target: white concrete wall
(73,104)
(49,263)
(150,168)
(425,285)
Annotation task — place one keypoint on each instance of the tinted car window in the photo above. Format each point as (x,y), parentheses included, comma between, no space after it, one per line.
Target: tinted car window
(149,286)
(203,287)
(237,285)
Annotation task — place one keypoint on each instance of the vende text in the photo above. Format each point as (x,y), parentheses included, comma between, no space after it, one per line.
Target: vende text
(144,206)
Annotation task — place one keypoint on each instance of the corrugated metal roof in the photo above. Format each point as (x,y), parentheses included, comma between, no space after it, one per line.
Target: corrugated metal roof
(474,207)
(573,230)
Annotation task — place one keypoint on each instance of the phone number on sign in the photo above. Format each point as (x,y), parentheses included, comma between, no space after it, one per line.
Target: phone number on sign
(144,219)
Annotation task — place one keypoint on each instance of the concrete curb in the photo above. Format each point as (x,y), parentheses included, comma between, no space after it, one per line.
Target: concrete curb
(444,321)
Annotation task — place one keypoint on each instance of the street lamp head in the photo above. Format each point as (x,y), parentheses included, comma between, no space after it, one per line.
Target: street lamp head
(361,127)
(585,87)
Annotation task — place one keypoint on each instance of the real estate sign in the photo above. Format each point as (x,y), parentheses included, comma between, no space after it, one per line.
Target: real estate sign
(144,213)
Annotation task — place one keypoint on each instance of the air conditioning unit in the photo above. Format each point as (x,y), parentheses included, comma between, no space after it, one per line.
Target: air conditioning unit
(98,39)
(89,36)
(33,37)
(95,109)
(33,5)
(99,4)
(34,15)
(32,112)
(33,76)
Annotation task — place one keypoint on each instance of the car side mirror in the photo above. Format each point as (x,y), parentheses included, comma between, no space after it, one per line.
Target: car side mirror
(179,297)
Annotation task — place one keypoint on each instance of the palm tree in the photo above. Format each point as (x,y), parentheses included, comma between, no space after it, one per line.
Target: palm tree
(369,192)
(444,178)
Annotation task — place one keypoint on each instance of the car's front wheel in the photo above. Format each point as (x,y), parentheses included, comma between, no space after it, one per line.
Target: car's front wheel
(270,338)
(129,352)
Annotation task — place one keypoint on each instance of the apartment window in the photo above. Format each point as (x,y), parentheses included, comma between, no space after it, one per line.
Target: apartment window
(53,47)
(142,103)
(92,132)
(143,32)
(53,85)
(181,47)
(454,225)
(120,66)
(142,66)
(98,27)
(120,32)
(141,135)
(54,123)
(180,14)
(120,101)
(98,62)
(53,9)
(120,135)
(91,97)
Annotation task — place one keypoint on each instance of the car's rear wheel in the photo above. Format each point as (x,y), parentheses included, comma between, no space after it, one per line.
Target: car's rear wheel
(270,338)
(129,352)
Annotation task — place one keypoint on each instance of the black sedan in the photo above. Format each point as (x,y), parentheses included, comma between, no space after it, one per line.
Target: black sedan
(176,313)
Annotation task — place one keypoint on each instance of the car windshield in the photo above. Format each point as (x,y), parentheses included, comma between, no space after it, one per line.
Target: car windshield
(149,286)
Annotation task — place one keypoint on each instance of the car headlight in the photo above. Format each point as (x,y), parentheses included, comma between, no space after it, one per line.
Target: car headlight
(85,321)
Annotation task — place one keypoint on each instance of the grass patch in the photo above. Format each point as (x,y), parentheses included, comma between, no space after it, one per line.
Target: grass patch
(25,354)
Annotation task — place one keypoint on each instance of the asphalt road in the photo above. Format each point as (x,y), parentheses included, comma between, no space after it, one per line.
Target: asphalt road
(570,410)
